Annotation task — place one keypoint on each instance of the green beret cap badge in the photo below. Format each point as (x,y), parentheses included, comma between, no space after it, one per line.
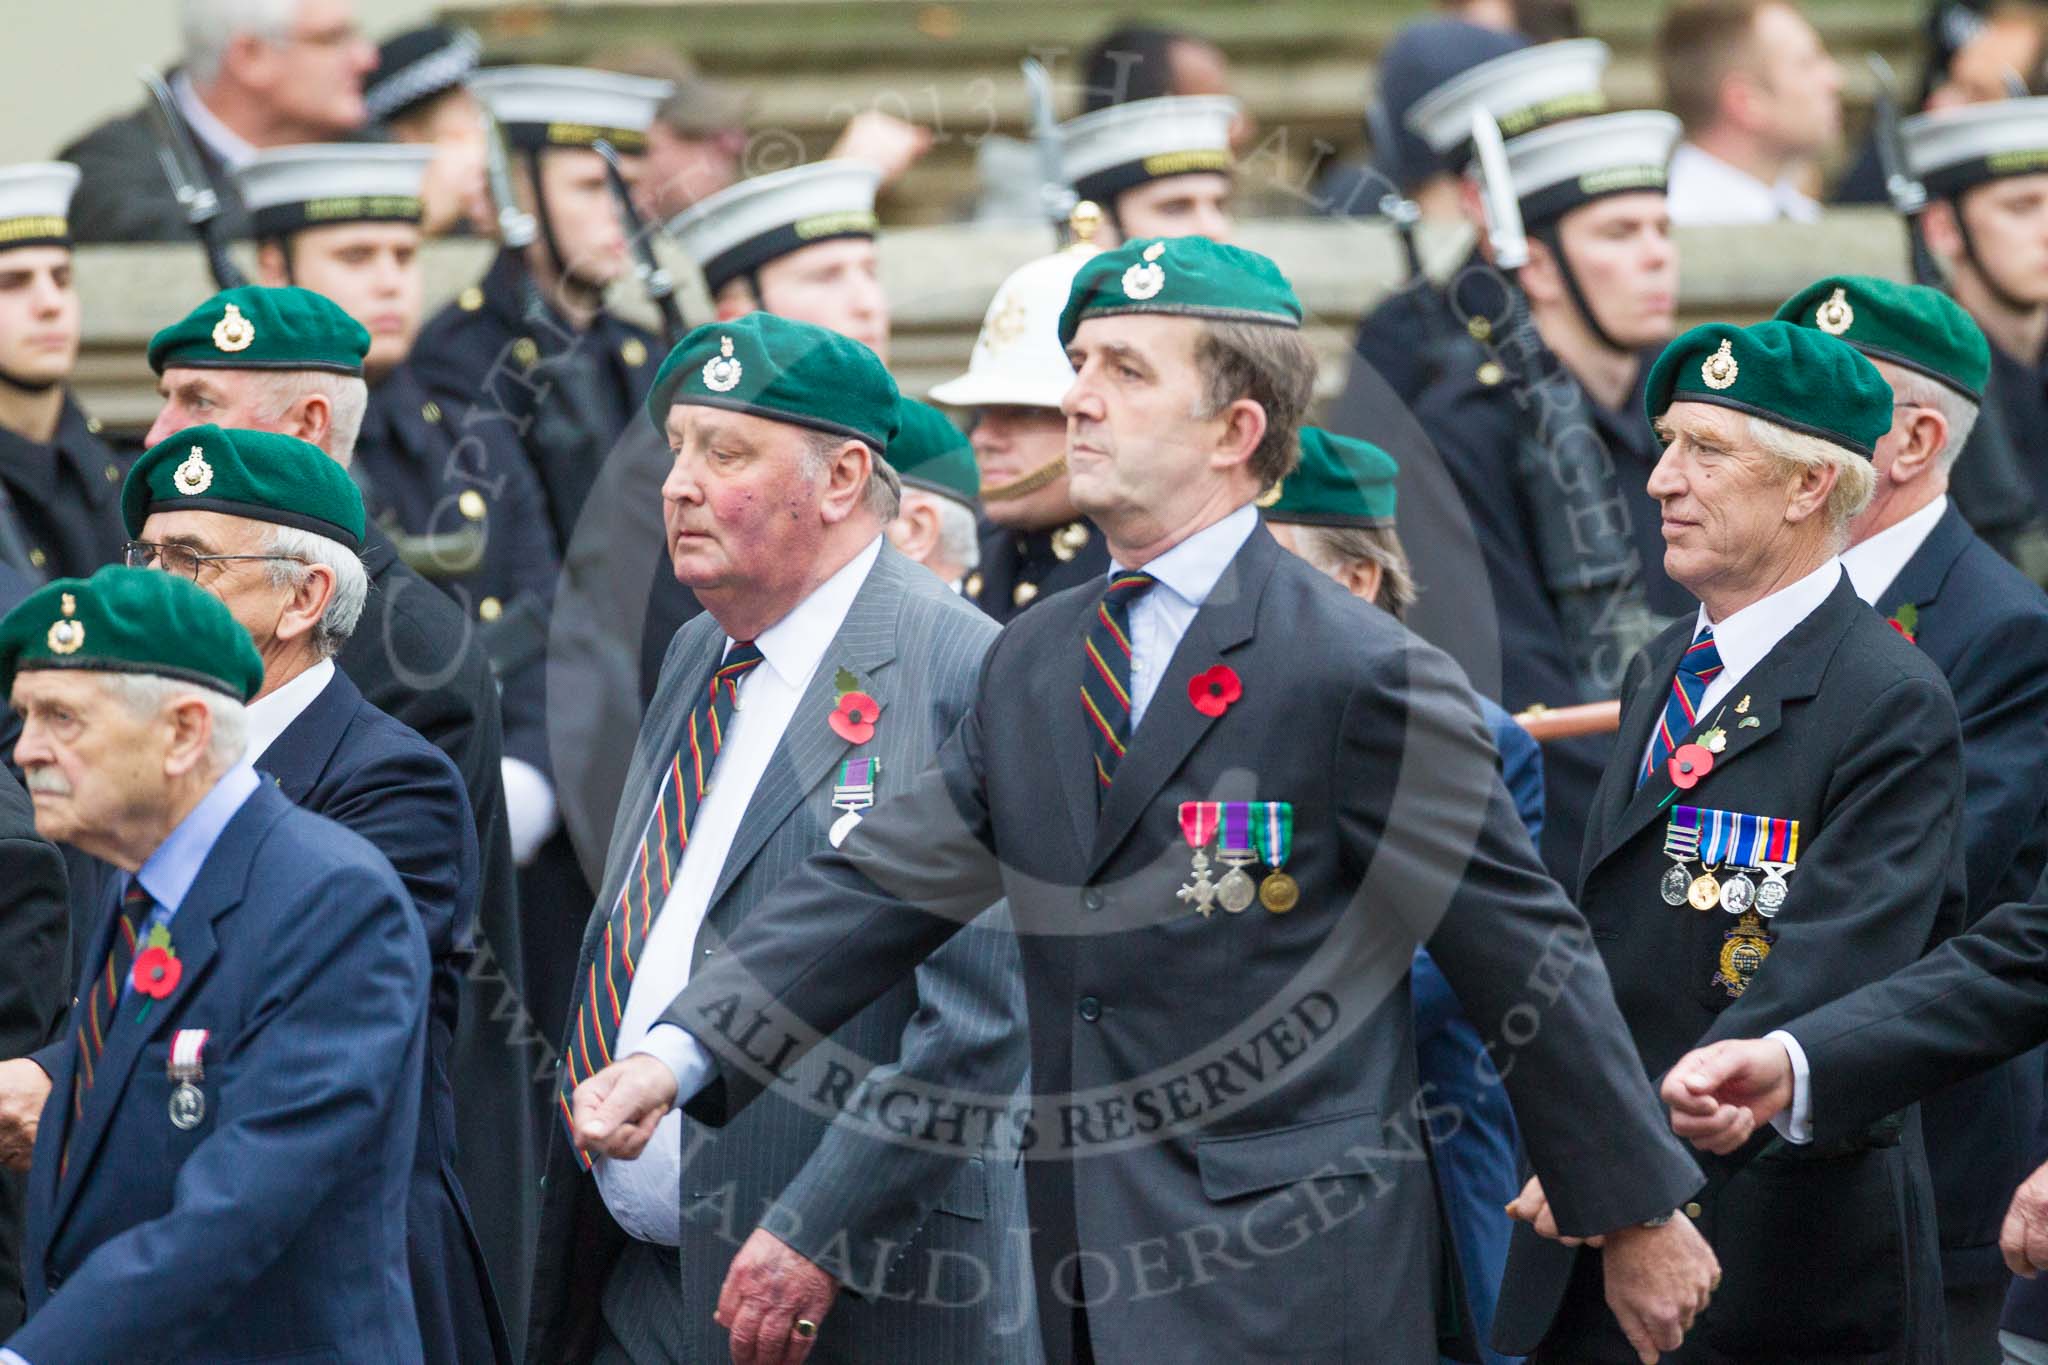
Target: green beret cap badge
(1145,279)
(722,372)
(233,332)
(1835,316)
(195,475)
(1719,370)
(67,636)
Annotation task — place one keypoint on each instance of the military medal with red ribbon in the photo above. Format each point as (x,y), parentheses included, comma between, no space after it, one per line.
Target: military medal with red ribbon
(1198,823)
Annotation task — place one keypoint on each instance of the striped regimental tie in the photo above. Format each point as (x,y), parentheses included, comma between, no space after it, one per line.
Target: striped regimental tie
(100,1001)
(601,995)
(1701,664)
(1106,681)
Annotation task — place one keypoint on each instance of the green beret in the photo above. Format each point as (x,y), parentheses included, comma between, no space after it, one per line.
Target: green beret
(931,453)
(1798,377)
(1912,325)
(254,328)
(1341,481)
(124,620)
(255,474)
(783,370)
(1189,276)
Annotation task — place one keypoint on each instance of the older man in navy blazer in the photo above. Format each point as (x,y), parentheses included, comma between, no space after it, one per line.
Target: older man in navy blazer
(274,535)
(220,1172)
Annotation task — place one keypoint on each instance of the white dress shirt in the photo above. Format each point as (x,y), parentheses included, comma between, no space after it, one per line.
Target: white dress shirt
(641,1193)
(1187,574)
(270,716)
(1704,189)
(1874,564)
(234,150)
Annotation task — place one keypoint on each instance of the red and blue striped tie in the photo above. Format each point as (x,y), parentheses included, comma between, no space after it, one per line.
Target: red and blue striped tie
(601,994)
(1700,666)
(1106,681)
(96,1010)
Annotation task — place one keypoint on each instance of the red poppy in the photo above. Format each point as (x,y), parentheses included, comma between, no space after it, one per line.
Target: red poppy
(1900,626)
(1691,763)
(156,972)
(1215,691)
(853,720)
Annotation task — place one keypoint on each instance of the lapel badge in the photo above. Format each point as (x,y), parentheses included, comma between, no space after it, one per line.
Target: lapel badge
(1714,740)
(1742,707)
(233,332)
(1145,280)
(633,351)
(66,636)
(1718,370)
(194,476)
(1835,316)
(722,372)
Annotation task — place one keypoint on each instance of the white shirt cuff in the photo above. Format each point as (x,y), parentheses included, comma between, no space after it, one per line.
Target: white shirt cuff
(1796,1123)
(8,1357)
(530,812)
(682,1054)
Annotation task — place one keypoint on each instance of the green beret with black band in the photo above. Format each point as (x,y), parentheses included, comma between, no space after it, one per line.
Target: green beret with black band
(1183,276)
(1911,325)
(785,371)
(1341,481)
(1798,377)
(258,328)
(929,452)
(260,475)
(124,620)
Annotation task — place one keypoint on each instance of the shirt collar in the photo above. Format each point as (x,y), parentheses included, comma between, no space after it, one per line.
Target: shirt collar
(168,873)
(271,715)
(1190,569)
(230,146)
(794,645)
(1748,635)
(1873,564)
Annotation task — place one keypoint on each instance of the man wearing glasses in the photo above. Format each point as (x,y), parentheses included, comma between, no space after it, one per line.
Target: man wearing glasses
(255,74)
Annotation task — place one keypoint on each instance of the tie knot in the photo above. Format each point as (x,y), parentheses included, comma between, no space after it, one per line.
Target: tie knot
(1128,587)
(134,896)
(1703,659)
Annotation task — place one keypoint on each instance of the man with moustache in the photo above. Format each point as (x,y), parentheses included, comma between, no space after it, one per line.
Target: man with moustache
(1184,677)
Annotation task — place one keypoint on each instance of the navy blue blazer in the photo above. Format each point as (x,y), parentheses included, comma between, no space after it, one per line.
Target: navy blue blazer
(276,1225)
(344,759)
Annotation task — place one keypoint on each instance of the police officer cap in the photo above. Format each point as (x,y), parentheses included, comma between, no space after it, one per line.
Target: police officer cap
(1912,325)
(260,475)
(418,65)
(1188,276)
(1798,377)
(259,328)
(124,620)
(784,370)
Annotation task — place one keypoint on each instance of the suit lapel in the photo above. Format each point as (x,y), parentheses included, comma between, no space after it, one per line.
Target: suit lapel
(1791,672)
(1172,726)
(809,746)
(298,756)
(217,889)
(1919,582)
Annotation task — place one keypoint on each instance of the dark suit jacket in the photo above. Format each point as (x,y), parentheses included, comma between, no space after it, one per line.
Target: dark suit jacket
(415,657)
(1985,626)
(1827,1253)
(124,196)
(34,927)
(907,1230)
(1241,1088)
(346,760)
(276,1227)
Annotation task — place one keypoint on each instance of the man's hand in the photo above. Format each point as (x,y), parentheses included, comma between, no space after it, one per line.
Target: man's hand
(767,1290)
(617,1109)
(1531,1206)
(24,1087)
(1658,1280)
(2024,1238)
(886,142)
(1721,1094)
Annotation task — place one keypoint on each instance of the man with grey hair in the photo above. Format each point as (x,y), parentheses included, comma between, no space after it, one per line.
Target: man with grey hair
(221,1167)
(1985,625)
(935,521)
(1782,822)
(270,525)
(255,74)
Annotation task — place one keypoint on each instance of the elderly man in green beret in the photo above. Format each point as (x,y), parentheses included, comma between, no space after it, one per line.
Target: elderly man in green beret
(1782,821)
(1985,626)
(1225,801)
(221,1168)
(825,670)
(941,493)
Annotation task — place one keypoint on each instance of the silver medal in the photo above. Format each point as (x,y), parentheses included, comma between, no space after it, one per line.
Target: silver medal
(1675,883)
(1738,893)
(188,1106)
(1236,892)
(842,827)
(1770,897)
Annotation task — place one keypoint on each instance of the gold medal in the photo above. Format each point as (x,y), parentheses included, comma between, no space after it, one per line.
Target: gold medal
(1704,893)
(1279,893)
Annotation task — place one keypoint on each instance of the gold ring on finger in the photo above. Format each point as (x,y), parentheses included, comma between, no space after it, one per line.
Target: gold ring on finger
(806,1329)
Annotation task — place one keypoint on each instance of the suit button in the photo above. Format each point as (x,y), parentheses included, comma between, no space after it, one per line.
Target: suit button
(1091,899)
(1692,1210)
(1091,1008)
(490,609)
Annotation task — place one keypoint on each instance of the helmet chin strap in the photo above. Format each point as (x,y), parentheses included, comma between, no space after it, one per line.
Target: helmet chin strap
(1548,235)
(1038,478)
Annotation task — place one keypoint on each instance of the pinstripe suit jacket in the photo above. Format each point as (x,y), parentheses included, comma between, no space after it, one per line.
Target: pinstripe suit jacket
(922,1240)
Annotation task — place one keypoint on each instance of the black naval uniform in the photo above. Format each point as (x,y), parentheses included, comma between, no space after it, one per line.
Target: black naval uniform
(488,357)
(1475,422)
(1019,567)
(63,499)
(1415,337)
(1998,502)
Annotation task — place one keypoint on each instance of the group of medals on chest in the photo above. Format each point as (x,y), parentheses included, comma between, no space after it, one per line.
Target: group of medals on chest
(1244,832)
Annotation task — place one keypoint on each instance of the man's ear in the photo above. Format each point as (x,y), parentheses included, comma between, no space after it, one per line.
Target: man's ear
(191,726)
(270,266)
(1927,435)
(1244,427)
(308,603)
(1541,280)
(311,419)
(735,300)
(916,529)
(1941,230)
(847,472)
(1810,491)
